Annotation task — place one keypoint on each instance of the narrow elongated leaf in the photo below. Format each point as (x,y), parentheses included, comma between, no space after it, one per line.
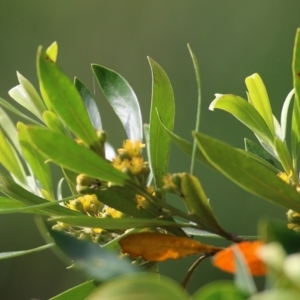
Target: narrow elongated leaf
(284,112)
(10,130)
(296,108)
(198,204)
(35,159)
(144,286)
(9,188)
(78,292)
(124,223)
(92,259)
(245,113)
(160,247)
(26,95)
(8,204)
(6,255)
(61,95)
(10,160)
(17,112)
(89,103)
(260,100)
(69,154)
(285,159)
(123,100)
(247,173)
(162,107)
(147,141)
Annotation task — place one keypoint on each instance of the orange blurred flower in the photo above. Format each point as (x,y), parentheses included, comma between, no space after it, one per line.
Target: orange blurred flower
(225,261)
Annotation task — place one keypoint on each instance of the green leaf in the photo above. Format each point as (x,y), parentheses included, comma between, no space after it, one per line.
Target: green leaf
(247,173)
(245,113)
(147,141)
(9,188)
(67,153)
(198,204)
(78,292)
(10,130)
(6,255)
(61,95)
(219,290)
(260,100)
(36,161)
(144,286)
(258,151)
(123,223)
(285,159)
(162,107)
(10,160)
(9,204)
(284,113)
(123,100)
(95,261)
(17,112)
(52,51)
(296,109)
(89,103)
(26,95)
(53,123)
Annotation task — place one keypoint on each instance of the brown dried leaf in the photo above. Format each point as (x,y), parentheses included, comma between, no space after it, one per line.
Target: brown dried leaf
(160,247)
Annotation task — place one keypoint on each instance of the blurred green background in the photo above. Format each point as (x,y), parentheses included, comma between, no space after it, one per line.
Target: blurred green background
(232,39)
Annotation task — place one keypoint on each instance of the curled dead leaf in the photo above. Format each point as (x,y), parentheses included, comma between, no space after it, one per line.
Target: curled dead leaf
(157,247)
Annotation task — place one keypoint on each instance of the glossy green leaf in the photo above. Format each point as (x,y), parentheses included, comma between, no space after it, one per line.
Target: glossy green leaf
(123,223)
(198,203)
(144,286)
(245,113)
(36,161)
(61,95)
(285,159)
(123,100)
(53,123)
(89,103)
(9,188)
(78,292)
(17,112)
(95,261)
(284,112)
(296,109)
(258,151)
(10,160)
(219,290)
(6,255)
(147,141)
(242,278)
(67,153)
(260,100)
(162,107)
(247,173)
(26,95)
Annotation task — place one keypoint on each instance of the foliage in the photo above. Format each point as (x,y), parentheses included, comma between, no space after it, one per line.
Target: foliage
(116,220)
